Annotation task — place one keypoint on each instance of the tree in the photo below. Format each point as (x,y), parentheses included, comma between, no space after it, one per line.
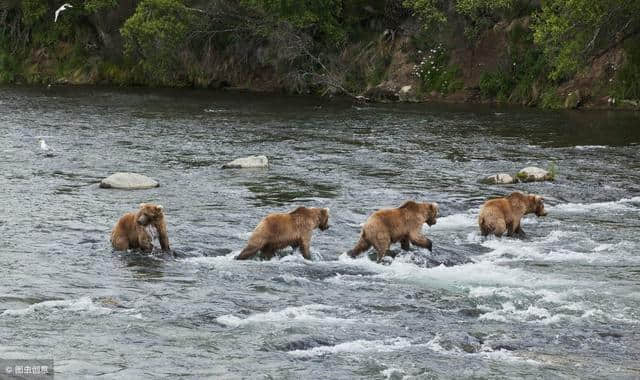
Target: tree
(155,34)
(571,32)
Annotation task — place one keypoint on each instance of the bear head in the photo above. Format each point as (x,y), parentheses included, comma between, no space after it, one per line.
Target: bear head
(427,212)
(323,223)
(536,205)
(431,211)
(149,213)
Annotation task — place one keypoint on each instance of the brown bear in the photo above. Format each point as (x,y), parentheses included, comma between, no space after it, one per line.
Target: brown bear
(280,230)
(136,230)
(501,215)
(403,224)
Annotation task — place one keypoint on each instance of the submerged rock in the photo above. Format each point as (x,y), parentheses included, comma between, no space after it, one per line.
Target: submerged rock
(458,341)
(499,179)
(247,162)
(128,181)
(534,174)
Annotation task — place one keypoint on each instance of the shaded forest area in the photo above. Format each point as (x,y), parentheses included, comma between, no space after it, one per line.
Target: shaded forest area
(552,54)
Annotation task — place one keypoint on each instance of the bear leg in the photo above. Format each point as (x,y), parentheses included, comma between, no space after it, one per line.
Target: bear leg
(248,252)
(519,232)
(405,244)
(422,241)
(381,247)
(268,251)
(305,250)
(500,227)
(163,236)
(120,243)
(144,242)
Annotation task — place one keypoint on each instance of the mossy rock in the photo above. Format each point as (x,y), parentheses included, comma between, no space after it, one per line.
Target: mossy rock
(534,174)
(499,179)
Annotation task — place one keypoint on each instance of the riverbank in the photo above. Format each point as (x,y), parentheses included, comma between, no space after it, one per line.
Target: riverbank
(382,53)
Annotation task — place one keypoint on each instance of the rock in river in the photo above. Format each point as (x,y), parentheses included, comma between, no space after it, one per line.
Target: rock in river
(534,174)
(499,179)
(128,181)
(247,162)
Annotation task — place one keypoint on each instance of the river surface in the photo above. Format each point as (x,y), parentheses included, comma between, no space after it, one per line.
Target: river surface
(562,303)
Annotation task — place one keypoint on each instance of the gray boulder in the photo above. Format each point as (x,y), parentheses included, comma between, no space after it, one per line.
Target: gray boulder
(247,162)
(534,174)
(128,181)
(499,179)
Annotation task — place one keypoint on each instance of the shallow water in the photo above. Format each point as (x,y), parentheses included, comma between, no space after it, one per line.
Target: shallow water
(564,302)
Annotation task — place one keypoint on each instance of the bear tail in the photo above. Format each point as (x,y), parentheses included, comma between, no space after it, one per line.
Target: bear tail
(360,247)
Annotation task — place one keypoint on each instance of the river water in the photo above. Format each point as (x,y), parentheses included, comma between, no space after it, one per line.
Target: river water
(563,302)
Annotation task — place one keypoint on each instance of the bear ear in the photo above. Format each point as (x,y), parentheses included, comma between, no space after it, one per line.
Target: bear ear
(160,207)
(326,209)
(142,205)
(436,208)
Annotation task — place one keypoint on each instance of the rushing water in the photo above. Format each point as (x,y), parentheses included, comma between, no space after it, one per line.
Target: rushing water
(563,302)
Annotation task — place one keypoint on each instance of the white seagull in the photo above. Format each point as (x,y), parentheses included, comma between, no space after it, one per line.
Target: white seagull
(62,8)
(44,146)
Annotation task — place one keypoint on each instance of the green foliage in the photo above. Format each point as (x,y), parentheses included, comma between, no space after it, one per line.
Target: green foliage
(496,84)
(514,81)
(478,14)
(95,6)
(9,64)
(481,14)
(33,11)
(430,12)
(378,71)
(435,73)
(550,99)
(155,35)
(553,171)
(570,31)
(320,16)
(627,81)
(471,7)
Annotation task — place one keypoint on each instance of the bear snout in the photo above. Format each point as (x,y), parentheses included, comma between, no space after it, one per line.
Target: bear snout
(324,227)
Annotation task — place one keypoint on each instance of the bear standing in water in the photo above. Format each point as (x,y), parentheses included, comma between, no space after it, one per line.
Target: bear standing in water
(280,230)
(136,230)
(502,215)
(403,224)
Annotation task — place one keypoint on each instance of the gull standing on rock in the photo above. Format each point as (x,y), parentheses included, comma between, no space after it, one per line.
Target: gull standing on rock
(62,8)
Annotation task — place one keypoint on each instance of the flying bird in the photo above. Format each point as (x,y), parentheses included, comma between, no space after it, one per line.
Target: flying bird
(62,8)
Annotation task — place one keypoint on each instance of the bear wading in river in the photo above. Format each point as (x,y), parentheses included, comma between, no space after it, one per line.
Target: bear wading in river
(391,225)
(502,215)
(137,230)
(280,230)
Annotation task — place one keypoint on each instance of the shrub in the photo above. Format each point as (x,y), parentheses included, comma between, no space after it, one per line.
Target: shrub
(434,72)
(627,81)
(155,35)
(496,84)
